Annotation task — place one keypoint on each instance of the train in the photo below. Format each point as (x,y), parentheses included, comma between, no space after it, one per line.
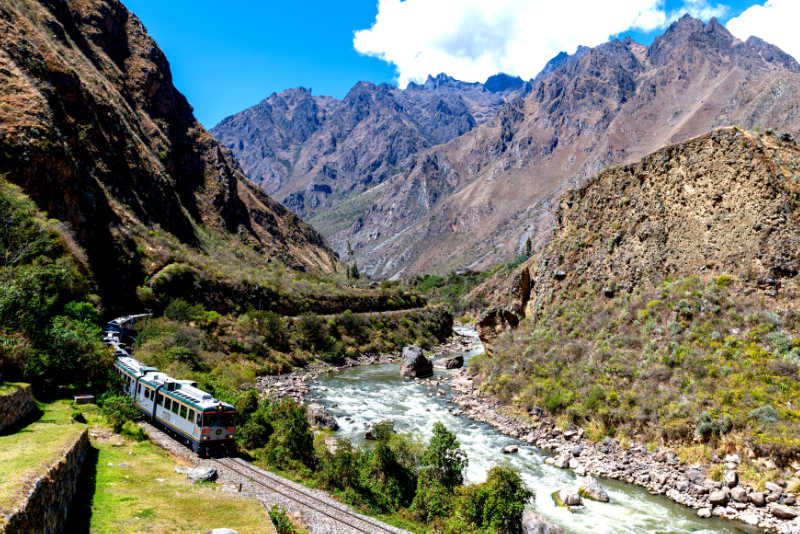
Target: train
(178,407)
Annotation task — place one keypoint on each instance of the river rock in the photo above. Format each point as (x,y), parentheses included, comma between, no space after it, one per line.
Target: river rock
(705,513)
(456,362)
(569,498)
(731,478)
(719,497)
(319,416)
(202,474)
(591,489)
(773,488)
(223,531)
(415,365)
(739,494)
(533,523)
(510,449)
(781,511)
(757,498)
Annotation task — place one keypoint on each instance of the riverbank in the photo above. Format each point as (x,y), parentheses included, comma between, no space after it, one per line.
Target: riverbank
(660,471)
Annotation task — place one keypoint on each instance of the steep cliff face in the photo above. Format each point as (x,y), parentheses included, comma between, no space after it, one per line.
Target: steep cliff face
(722,204)
(314,151)
(474,201)
(93,130)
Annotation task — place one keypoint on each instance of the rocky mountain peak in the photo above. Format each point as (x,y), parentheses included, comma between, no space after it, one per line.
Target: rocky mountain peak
(502,82)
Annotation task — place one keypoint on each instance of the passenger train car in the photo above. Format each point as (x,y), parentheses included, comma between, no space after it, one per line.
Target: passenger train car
(178,406)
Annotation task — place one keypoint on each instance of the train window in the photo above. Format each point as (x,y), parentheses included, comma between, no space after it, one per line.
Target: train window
(191,416)
(167,403)
(146,393)
(175,407)
(183,412)
(160,399)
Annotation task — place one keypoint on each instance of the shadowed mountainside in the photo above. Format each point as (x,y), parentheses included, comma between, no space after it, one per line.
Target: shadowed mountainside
(95,133)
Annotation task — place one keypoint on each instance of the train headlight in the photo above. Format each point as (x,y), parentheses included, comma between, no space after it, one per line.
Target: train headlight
(205,437)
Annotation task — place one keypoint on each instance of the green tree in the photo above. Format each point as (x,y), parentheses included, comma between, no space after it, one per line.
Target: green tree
(445,458)
(498,503)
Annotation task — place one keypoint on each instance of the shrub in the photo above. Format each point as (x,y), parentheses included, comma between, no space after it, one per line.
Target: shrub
(132,430)
(498,503)
(180,310)
(281,521)
(312,332)
(118,409)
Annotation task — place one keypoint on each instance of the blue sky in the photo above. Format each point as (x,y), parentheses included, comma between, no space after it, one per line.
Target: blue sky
(226,56)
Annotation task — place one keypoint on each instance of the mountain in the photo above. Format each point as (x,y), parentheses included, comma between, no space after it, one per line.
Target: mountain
(664,304)
(473,201)
(314,151)
(93,130)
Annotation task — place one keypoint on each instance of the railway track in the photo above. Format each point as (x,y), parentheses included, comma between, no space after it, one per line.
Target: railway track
(344,519)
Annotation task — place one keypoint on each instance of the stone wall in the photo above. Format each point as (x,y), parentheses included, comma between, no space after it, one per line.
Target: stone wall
(47,505)
(15,406)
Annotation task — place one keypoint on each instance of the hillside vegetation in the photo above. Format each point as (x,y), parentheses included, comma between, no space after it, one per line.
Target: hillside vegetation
(48,317)
(665,306)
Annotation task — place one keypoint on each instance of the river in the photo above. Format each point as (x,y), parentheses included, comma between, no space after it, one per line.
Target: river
(363,395)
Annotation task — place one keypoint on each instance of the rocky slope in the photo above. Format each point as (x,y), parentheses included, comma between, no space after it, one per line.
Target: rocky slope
(664,306)
(313,151)
(475,200)
(93,130)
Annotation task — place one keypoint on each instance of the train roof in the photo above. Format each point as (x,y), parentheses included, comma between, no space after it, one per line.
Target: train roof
(184,390)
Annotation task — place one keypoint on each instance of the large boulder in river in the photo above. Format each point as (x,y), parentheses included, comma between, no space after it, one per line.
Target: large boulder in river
(320,417)
(415,365)
(533,523)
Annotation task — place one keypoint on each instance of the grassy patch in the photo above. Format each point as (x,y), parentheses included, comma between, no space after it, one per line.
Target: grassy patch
(148,496)
(8,388)
(29,452)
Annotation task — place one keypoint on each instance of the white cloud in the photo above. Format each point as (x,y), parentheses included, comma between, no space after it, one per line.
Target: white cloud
(774,22)
(699,9)
(473,39)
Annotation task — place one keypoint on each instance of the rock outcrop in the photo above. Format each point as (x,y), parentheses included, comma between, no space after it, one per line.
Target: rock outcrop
(719,204)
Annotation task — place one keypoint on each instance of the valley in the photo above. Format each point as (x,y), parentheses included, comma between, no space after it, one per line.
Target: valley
(566,304)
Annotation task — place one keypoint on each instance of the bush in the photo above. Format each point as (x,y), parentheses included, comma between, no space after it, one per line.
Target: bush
(281,430)
(180,310)
(118,409)
(312,332)
(281,521)
(132,430)
(498,503)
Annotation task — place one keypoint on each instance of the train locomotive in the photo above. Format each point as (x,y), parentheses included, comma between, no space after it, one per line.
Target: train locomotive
(179,407)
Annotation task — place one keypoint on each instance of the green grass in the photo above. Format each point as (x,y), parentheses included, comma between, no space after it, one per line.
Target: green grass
(10,387)
(29,452)
(149,496)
